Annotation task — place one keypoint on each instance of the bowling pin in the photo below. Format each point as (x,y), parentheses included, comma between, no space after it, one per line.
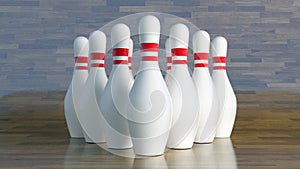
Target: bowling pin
(90,117)
(130,55)
(183,92)
(168,60)
(227,99)
(80,74)
(113,102)
(208,101)
(150,104)
(168,56)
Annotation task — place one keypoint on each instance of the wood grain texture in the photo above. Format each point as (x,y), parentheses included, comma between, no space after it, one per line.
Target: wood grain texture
(36,38)
(266,134)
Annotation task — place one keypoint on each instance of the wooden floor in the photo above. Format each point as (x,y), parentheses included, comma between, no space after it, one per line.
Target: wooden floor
(33,134)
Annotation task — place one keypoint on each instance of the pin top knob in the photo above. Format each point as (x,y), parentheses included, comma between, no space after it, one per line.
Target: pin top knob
(97,42)
(179,34)
(81,46)
(149,29)
(219,47)
(120,34)
(201,42)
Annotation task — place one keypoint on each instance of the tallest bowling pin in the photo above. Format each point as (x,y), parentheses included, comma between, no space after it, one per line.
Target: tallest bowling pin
(150,105)
(227,99)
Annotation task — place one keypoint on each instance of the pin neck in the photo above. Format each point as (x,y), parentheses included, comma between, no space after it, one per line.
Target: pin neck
(200,60)
(120,56)
(219,62)
(81,62)
(169,62)
(179,56)
(97,60)
(149,52)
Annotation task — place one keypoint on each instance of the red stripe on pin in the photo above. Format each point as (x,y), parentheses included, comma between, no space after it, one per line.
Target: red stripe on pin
(201,65)
(129,59)
(200,56)
(129,67)
(150,58)
(219,59)
(169,59)
(120,52)
(169,67)
(179,52)
(219,67)
(118,62)
(97,65)
(81,59)
(149,47)
(81,68)
(97,56)
(179,61)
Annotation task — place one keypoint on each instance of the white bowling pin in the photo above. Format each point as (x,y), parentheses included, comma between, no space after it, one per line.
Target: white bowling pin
(208,101)
(80,74)
(90,117)
(227,99)
(183,92)
(113,103)
(150,105)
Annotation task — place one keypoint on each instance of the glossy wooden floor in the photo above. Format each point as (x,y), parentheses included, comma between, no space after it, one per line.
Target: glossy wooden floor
(33,134)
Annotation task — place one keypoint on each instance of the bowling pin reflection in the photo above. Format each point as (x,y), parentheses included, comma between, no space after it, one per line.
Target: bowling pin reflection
(220,154)
(75,149)
(150,162)
(181,159)
(81,155)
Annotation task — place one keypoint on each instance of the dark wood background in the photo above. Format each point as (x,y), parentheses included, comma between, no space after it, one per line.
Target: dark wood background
(36,38)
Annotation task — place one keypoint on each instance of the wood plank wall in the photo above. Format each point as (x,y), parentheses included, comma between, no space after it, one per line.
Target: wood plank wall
(36,38)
